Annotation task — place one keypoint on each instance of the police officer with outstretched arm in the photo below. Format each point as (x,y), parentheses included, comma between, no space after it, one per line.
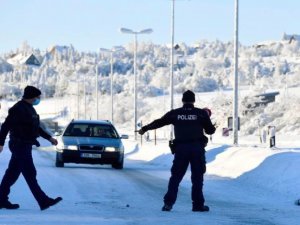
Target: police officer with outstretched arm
(23,124)
(188,147)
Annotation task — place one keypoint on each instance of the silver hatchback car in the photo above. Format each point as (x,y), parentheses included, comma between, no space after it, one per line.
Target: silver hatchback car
(90,142)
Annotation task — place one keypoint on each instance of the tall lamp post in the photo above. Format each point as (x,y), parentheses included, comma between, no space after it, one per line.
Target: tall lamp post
(135,33)
(172,64)
(84,94)
(111,51)
(235,102)
(96,94)
(78,77)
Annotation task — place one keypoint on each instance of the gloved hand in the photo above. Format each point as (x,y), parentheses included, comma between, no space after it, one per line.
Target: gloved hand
(36,143)
(53,141)
(208,111)
(141,131)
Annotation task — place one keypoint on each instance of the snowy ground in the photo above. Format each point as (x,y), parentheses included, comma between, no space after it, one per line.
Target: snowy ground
(244,185)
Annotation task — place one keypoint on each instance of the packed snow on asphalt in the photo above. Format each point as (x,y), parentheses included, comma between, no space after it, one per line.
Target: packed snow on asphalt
(248,184)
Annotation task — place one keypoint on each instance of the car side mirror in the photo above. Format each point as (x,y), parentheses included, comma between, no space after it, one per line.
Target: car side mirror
(124,136)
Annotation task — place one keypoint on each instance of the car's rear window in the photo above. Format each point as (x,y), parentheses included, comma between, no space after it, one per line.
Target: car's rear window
(91,130)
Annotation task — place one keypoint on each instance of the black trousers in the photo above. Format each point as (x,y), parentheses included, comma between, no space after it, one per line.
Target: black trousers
(21,162)
(193,154)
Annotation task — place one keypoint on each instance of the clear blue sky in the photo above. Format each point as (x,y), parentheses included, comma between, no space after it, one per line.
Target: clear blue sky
(91,24)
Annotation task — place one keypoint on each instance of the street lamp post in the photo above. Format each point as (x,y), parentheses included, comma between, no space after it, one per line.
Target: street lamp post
(111,87)
(135,33)
(111,51)
(97,97)
(235,102)
(78,95)
(172,64)
(84,94)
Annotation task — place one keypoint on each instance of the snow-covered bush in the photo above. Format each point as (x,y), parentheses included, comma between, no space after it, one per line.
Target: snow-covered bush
(203,67)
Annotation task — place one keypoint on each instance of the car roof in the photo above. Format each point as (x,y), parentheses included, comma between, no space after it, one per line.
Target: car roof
(101,122)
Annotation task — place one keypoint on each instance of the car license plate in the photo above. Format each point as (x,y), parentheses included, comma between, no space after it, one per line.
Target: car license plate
(90,155)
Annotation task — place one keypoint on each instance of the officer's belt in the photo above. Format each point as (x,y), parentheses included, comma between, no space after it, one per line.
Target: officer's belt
(176,141)
(15,139)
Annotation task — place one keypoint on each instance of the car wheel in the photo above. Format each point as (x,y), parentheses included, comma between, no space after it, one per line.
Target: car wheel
(59,160)
(118,165)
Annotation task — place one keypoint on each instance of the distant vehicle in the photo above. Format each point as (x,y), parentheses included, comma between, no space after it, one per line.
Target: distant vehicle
(90,142)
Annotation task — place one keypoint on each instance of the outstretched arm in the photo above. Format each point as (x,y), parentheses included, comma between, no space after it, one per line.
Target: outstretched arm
(163,121)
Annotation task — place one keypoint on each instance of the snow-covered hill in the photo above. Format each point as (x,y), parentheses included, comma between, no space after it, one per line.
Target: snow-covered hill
(206,68)
(245,184)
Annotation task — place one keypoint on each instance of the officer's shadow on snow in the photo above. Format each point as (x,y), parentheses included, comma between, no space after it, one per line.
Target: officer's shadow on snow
(164,160)
(279,172)
(212,153)
(135,150)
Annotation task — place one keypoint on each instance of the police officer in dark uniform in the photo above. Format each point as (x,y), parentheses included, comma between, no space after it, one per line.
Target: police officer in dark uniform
(24,126)
(189,123)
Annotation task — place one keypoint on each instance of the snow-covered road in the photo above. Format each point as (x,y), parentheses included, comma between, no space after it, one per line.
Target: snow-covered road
(102,195)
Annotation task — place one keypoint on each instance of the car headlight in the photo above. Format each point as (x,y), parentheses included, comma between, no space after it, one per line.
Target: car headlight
(71,147)
(67,147)
(110,149)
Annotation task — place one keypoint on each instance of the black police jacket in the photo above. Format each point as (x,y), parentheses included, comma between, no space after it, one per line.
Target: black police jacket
(23,123)
(189,123)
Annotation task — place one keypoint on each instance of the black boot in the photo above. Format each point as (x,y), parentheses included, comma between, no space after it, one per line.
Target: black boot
(203,208)
(50,202)
(8,205)
(166,207)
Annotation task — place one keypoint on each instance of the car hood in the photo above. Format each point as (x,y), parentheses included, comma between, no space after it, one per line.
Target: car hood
(91,141)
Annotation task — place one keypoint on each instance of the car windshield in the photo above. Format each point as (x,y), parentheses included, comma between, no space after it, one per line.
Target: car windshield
(91,130)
